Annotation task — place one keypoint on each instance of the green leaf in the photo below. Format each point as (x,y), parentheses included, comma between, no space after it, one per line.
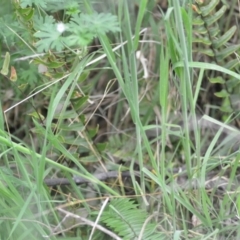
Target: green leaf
(73,127)
(226,109)
(101,146)
(198,21)
(225,37)
(49,35)
(72,8)
(238,202)
(91,25)
(39,3)
(49,64)
(207,9)
(226,52)
(29,75)
(50,39)
(213,18)
(222,94)
(26,13)
(203,40)
(79,37)
(209,52)
(93,131)
(213,31)
(83,76)
(5,67)
(37,115)
(201,29)
(22,87)
(232,64)
(125,218)
(88,159)
(217,80)
(79,102)
(100,23)
(66,115)
(232,83)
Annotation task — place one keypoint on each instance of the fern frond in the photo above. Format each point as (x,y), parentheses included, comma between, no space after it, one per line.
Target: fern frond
(125,218)
(207,30)
(212,43)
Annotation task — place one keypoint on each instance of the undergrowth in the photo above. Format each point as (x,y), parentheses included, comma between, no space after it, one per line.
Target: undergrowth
(119,119)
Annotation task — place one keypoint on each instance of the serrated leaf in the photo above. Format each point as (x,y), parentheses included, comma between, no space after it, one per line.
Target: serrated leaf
(226,52)
(225,37)
(39,21)
(79,37)
(50,39)
(217,80)
(39,3)
(96,23)
(72,8)
(222,94)
(29,75)
(134,219)
(26,13)
(49,35)
(101,23)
